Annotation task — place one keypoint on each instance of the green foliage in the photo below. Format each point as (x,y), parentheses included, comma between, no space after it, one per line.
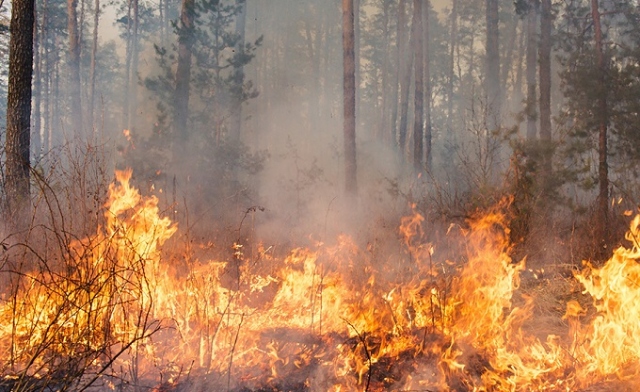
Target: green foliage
(218,89)
(583,87)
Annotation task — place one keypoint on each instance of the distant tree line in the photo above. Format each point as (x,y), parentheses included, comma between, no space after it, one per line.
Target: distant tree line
(469,93)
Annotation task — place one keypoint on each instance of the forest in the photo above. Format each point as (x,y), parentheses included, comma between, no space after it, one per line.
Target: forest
(319,195)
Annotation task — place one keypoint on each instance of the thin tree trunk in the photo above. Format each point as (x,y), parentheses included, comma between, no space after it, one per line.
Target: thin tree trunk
(418,108)
(507,63)
(381,129)
(356,56)
(602,226)
(46,79)
(349,69)
(312,92)
(74,67)
(37,90)
(92,75)
(493,66)
(81,22)
(453,41)
(236,122)
(400,65)
(427,85)
(532,61)
(183,76)
(404,95)
(132,97)
(19,108)
(517,84)
(127,68)
(161,16)
(54,135)
(545,83)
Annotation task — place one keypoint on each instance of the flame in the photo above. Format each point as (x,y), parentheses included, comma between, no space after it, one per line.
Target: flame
(610,343)
(324,318)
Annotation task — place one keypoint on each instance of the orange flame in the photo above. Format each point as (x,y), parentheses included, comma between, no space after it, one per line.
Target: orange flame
(327,318)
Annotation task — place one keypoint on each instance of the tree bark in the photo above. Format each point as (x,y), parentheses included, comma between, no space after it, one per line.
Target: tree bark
(418,108)
(405,85)
(507,57)
(400,65)
(602,226)
(349,96)
(74,67)
(46,80)
(127,69)
(92,75)
(545,83)
(518,94)
(532,62)
(37,90)
(132,97)
(19,107)
(236,121)
(427,89)
(183,76)
(493,66)
(381,129)
(453,41)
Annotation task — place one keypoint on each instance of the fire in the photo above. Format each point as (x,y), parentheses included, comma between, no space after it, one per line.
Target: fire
(114,309)
(610,344)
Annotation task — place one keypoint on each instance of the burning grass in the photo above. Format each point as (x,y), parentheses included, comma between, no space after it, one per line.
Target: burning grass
(113,311)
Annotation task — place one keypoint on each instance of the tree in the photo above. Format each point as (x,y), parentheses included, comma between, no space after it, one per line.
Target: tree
(545,84)
(428,150)
(349,95)
(183,76)
(492,86)
(19,105)
(92,69)
(453,42)
(400,66)
(74,66)
(532,62)
(418,111)
(405,85)
(602,227)
(236,121)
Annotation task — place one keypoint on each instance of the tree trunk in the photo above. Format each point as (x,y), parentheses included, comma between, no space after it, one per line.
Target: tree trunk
(356,56)
(545,84)
(127,68)
(37,90)
(492,87)
(381,129)
(418,108)
(405,84)
(46,80)
(427,86)
(517,84)
(92,71)
(132,97)
(349,92)
(19,107)
(236,121)
(183,76)
(400,65)
(74,67)
(532,51)
(507,57)
(453,41)
(602,226)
